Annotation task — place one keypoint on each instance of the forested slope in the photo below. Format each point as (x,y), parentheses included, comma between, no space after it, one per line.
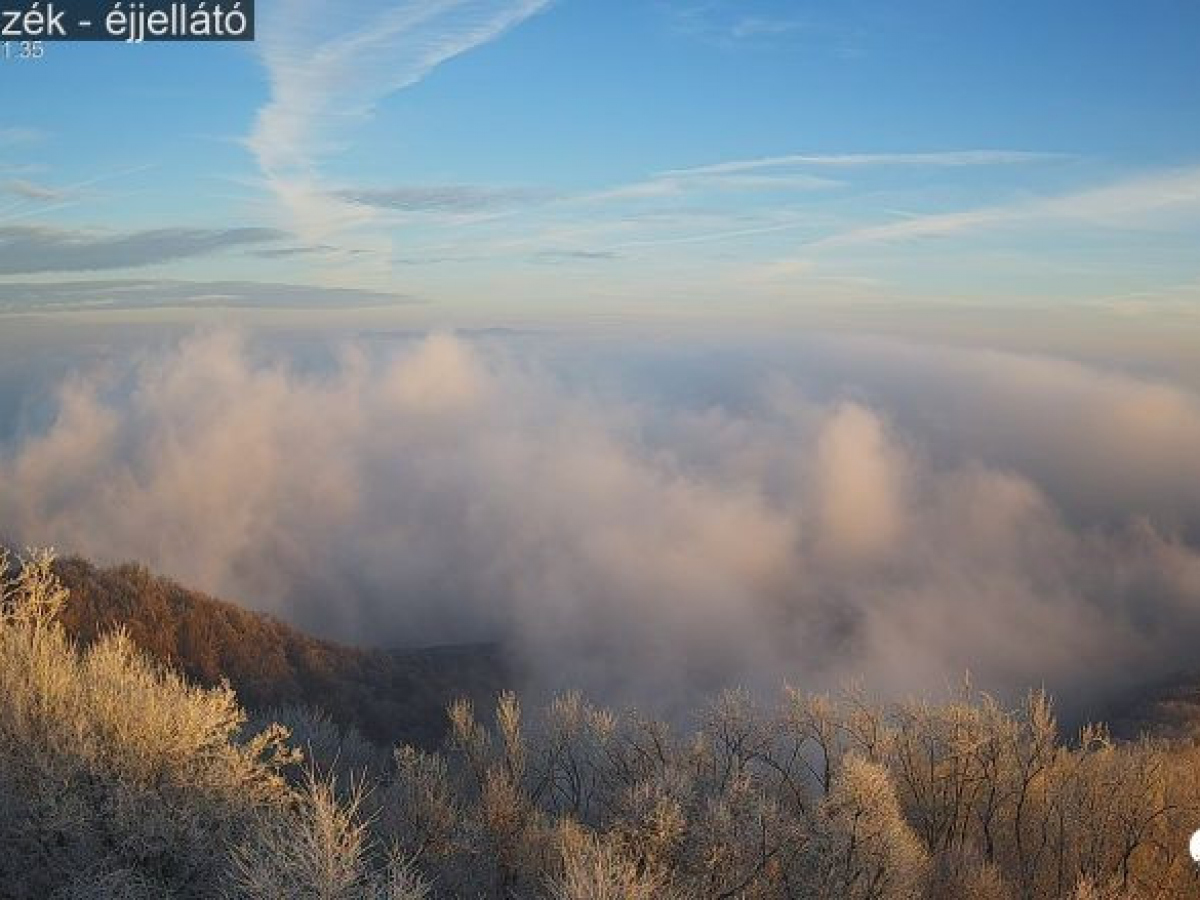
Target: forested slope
(120,779)
(390,695)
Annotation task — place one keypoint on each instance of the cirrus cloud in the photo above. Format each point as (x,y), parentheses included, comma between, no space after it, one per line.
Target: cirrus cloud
(27,249)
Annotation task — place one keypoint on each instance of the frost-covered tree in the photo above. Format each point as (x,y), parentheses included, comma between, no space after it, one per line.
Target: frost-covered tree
(119,779)
(113,769)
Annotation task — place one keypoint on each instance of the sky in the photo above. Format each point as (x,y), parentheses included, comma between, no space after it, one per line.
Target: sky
(942,168)
(674,344)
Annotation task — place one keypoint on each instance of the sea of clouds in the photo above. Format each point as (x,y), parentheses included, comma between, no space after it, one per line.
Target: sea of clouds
(647,524)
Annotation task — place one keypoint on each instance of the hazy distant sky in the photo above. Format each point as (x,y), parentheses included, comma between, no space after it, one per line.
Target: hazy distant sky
(961,167)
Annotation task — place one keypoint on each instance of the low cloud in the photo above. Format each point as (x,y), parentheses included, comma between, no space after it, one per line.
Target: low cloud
(1031,521)
(28,249)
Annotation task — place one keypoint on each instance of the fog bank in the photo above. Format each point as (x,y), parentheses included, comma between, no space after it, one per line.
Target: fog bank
(870,510)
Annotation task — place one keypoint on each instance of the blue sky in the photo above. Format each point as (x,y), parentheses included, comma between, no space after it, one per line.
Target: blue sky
(478,160)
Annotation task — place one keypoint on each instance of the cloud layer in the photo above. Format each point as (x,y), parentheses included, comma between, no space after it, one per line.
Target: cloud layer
(1027,520)
(61,296)
(29,249)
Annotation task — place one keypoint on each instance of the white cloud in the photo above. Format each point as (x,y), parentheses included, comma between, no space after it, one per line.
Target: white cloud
(684,182)
(947,158)
(1131,202)
(330,63)
(859,482)
(1022,518)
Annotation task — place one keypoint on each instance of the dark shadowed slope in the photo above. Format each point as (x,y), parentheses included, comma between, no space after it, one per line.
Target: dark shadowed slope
(1169,708)
(390,695)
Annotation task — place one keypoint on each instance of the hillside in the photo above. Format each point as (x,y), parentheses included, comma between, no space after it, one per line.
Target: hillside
(1168,708)
(388,694)
(119,779)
